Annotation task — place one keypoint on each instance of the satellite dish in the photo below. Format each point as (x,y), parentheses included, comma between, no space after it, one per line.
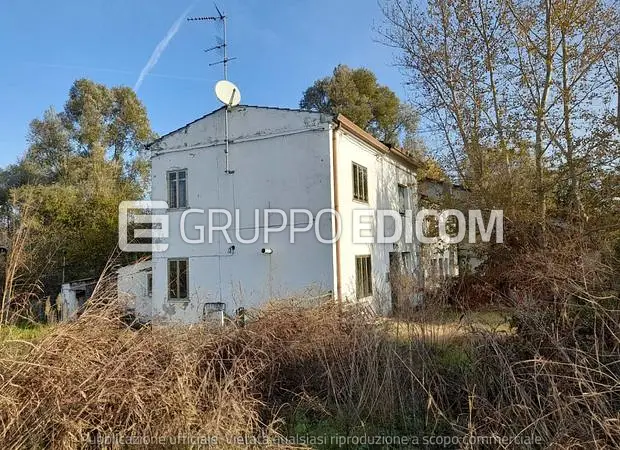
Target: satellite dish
(227,93)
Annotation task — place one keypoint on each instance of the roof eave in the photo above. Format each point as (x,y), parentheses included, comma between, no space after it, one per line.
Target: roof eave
(375,143)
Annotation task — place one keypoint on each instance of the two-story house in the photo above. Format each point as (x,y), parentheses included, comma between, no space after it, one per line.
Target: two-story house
(259,159)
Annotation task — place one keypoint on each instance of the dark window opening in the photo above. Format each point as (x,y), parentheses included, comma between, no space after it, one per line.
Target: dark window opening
(177,279)
(177,189)
(360,183)
(363,276)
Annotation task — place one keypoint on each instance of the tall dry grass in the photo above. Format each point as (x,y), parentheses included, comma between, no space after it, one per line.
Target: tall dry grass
(552,383)
(97,377)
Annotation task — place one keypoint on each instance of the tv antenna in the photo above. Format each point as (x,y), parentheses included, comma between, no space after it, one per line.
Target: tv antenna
(225,91)
(222,43)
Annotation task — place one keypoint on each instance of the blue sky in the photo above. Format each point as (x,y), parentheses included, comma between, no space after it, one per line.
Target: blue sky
(282,46)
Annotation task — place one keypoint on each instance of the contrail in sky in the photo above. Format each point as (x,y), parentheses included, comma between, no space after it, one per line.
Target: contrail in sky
(161,47)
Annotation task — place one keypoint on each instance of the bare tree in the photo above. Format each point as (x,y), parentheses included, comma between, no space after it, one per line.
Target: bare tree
(454,53)
(499,79)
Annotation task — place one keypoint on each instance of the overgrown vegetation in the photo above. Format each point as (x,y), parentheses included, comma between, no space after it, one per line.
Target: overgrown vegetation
(327,371)
(59,203)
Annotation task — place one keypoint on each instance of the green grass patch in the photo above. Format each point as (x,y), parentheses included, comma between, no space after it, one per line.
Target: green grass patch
(29,333)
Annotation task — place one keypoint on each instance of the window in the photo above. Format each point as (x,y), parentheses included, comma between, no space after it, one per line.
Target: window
(431,226)
(177,279)
(149,284)
(403,196)
(360,183)
(452,226)
(363,276)
(177,189)
(407,262)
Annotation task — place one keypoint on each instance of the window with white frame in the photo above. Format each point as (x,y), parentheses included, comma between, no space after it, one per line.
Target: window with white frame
(177,189)
(360,183)
(363,276)
(178,279)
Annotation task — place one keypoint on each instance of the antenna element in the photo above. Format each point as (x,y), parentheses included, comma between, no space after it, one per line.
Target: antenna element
(222,43)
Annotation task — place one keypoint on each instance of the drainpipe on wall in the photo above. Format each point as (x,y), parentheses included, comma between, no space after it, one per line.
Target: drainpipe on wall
(337,209)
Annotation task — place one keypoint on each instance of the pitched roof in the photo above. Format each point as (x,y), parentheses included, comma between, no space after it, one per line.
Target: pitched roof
(341,120)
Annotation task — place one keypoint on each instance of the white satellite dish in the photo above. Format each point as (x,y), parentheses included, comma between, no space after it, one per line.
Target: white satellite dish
(227,93)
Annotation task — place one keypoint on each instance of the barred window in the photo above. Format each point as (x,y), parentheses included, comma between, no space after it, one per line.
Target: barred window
(360,183)
(363,276)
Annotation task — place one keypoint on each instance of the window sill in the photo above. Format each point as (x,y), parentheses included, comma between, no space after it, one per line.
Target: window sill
(363,202)
(178,300)
(184,208)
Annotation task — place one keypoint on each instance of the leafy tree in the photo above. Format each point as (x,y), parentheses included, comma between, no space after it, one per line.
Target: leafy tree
(106,120)
(80,163)
(429,164)
(356,94)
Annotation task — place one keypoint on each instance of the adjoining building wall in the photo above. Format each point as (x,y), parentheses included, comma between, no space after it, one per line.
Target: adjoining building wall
(134,284)
(441,260)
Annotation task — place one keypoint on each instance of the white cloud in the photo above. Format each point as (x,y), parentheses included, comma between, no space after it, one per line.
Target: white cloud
(159,50)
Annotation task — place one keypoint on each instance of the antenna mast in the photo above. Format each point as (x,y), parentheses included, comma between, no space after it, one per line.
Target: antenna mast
(222,43)
(225,91)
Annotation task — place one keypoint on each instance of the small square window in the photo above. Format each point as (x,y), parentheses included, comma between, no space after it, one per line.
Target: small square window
(363,276)
(360,183)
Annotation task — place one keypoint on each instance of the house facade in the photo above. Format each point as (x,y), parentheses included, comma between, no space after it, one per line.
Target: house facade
(251,163)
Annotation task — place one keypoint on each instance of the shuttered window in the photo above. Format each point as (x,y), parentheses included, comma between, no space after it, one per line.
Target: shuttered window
(403,195)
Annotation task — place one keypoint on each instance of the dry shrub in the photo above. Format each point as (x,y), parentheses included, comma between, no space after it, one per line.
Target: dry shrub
(549,385)
(97,377)
(557,378)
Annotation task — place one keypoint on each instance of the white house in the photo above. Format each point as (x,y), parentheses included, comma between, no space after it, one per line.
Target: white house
(275,159)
